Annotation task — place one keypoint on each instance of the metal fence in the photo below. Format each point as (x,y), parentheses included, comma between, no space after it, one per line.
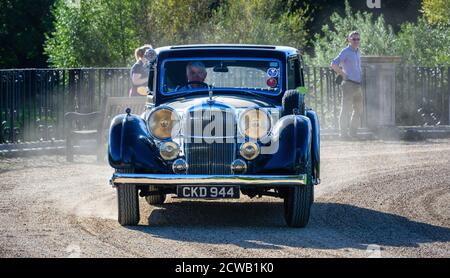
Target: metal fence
(324,96)
(422,96)
(33,101)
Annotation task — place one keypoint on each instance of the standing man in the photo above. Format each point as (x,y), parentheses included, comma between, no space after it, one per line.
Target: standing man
(348,65)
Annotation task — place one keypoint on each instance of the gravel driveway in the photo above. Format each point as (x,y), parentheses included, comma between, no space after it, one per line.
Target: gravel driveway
(388,199)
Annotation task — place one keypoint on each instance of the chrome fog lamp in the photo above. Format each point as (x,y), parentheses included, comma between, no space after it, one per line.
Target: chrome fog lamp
(249,150)
(238,166)
(169,150)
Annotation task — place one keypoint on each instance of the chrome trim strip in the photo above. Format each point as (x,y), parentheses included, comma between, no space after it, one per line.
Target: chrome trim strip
(208,137)
(206,180)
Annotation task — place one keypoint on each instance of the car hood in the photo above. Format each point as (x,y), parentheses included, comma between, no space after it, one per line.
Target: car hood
(234,101)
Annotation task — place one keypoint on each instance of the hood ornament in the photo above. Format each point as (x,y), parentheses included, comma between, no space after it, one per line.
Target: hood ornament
(211,100)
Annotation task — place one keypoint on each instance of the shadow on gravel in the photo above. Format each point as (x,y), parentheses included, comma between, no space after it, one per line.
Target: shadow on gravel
(261,225)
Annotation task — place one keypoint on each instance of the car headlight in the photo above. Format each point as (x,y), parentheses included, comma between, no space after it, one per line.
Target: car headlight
(254,123)
(163,123)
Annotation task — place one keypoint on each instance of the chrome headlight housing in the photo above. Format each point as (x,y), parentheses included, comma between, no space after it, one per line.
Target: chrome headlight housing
(163,122)
(254,123)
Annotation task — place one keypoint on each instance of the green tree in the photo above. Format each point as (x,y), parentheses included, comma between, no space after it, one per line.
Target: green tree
(95,33)
(22,27)
(76,40)
(259,22)
(436,11)
(116,22)
(181,22)
(106,32)
(377,37)
(426,43)
(423,44)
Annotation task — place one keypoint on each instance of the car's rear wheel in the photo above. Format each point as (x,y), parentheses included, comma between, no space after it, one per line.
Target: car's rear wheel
(128,202)
(155,199)
(298,201)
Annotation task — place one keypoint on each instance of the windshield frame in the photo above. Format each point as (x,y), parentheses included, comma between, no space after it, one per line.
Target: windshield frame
(268,93)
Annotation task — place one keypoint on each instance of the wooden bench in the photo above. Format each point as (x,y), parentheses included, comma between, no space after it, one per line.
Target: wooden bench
(95,126)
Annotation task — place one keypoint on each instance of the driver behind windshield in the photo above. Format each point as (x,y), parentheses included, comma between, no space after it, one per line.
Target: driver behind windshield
(196,75)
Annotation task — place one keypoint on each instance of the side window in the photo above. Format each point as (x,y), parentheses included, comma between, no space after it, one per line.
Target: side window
(294,73)
(301,72)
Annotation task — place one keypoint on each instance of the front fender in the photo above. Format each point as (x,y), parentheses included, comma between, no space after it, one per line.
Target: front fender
(315,144)
(291,140)
(130,145)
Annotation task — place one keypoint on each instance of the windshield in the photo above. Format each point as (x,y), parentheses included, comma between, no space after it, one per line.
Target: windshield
(262,76)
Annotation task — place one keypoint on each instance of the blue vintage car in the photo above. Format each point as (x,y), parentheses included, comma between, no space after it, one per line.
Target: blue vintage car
(222,120)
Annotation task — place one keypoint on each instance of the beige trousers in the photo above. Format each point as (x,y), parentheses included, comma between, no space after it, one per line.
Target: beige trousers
(352,103)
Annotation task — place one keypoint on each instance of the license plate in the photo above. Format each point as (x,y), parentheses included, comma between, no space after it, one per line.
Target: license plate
(208,192)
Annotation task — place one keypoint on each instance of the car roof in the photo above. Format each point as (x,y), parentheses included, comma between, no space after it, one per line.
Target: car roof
(223,47)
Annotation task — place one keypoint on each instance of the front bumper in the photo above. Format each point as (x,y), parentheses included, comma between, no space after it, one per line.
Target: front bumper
(205,180)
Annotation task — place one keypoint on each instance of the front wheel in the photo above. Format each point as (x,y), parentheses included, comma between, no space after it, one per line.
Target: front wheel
(298,201)
(128,203)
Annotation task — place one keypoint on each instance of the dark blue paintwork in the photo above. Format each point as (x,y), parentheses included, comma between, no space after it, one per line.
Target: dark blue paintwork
(293,136)
(315,146)
(130,146)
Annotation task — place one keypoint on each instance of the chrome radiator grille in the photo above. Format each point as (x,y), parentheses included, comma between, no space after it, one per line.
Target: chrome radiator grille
(205,158)
(209,151)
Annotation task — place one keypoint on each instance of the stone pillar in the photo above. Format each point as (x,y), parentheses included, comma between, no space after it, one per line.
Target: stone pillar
(379,91)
